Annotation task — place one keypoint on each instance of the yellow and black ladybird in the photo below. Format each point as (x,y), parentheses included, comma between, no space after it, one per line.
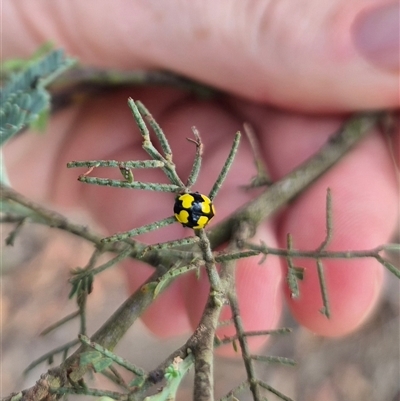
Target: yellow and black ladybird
(194,210)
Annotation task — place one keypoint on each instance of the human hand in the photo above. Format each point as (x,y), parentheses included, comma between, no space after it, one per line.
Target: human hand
(287,62)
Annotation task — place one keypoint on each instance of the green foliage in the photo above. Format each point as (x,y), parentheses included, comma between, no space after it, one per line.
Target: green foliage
(14,65)
(81,282)
(174,374)
(24,98)
(96,359)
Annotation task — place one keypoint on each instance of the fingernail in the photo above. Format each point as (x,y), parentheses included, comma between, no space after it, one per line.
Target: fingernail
(376,35)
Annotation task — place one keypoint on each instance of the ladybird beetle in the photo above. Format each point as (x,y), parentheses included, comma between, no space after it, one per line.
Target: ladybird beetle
(194,210)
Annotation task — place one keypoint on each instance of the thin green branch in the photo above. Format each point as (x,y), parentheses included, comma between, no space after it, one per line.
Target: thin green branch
(16,231)
(61,322)
(209,260)
(325,310)
(113,375)
(89,391)
(172,244)
(301,254)
(242,233)
(291,277)
(225,169)
(392,268)
(169,167)
(81,300)
(389,247)
(140,230)
(239,388)
(328,223)
(246,356)
(42,215)
(176,272)
(147,186)
(197,159)
(262,178)
(114,328)
(274,391)
(118,360)
(50,355)
(114,163)
(227,340)
(147,145)
(157,130)
(273,359)
(226,257)
(112,262)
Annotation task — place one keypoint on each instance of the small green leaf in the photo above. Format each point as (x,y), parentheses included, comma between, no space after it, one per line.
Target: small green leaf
(96,359)
(41,121)
(24,97)
(102,364)
(137,382)
(159,287)
(90,357)
(299,272)
(234,345)
(76,286)
(171,372)
(126,173)
(89,283)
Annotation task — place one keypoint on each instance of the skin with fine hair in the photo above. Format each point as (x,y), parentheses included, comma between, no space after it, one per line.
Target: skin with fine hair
(293,70)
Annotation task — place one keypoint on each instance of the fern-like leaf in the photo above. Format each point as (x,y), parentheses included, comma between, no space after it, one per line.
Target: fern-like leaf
(24,97)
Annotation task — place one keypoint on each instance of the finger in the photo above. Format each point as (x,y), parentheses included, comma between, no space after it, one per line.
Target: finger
(365,211)
(259,292)
(316,56)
